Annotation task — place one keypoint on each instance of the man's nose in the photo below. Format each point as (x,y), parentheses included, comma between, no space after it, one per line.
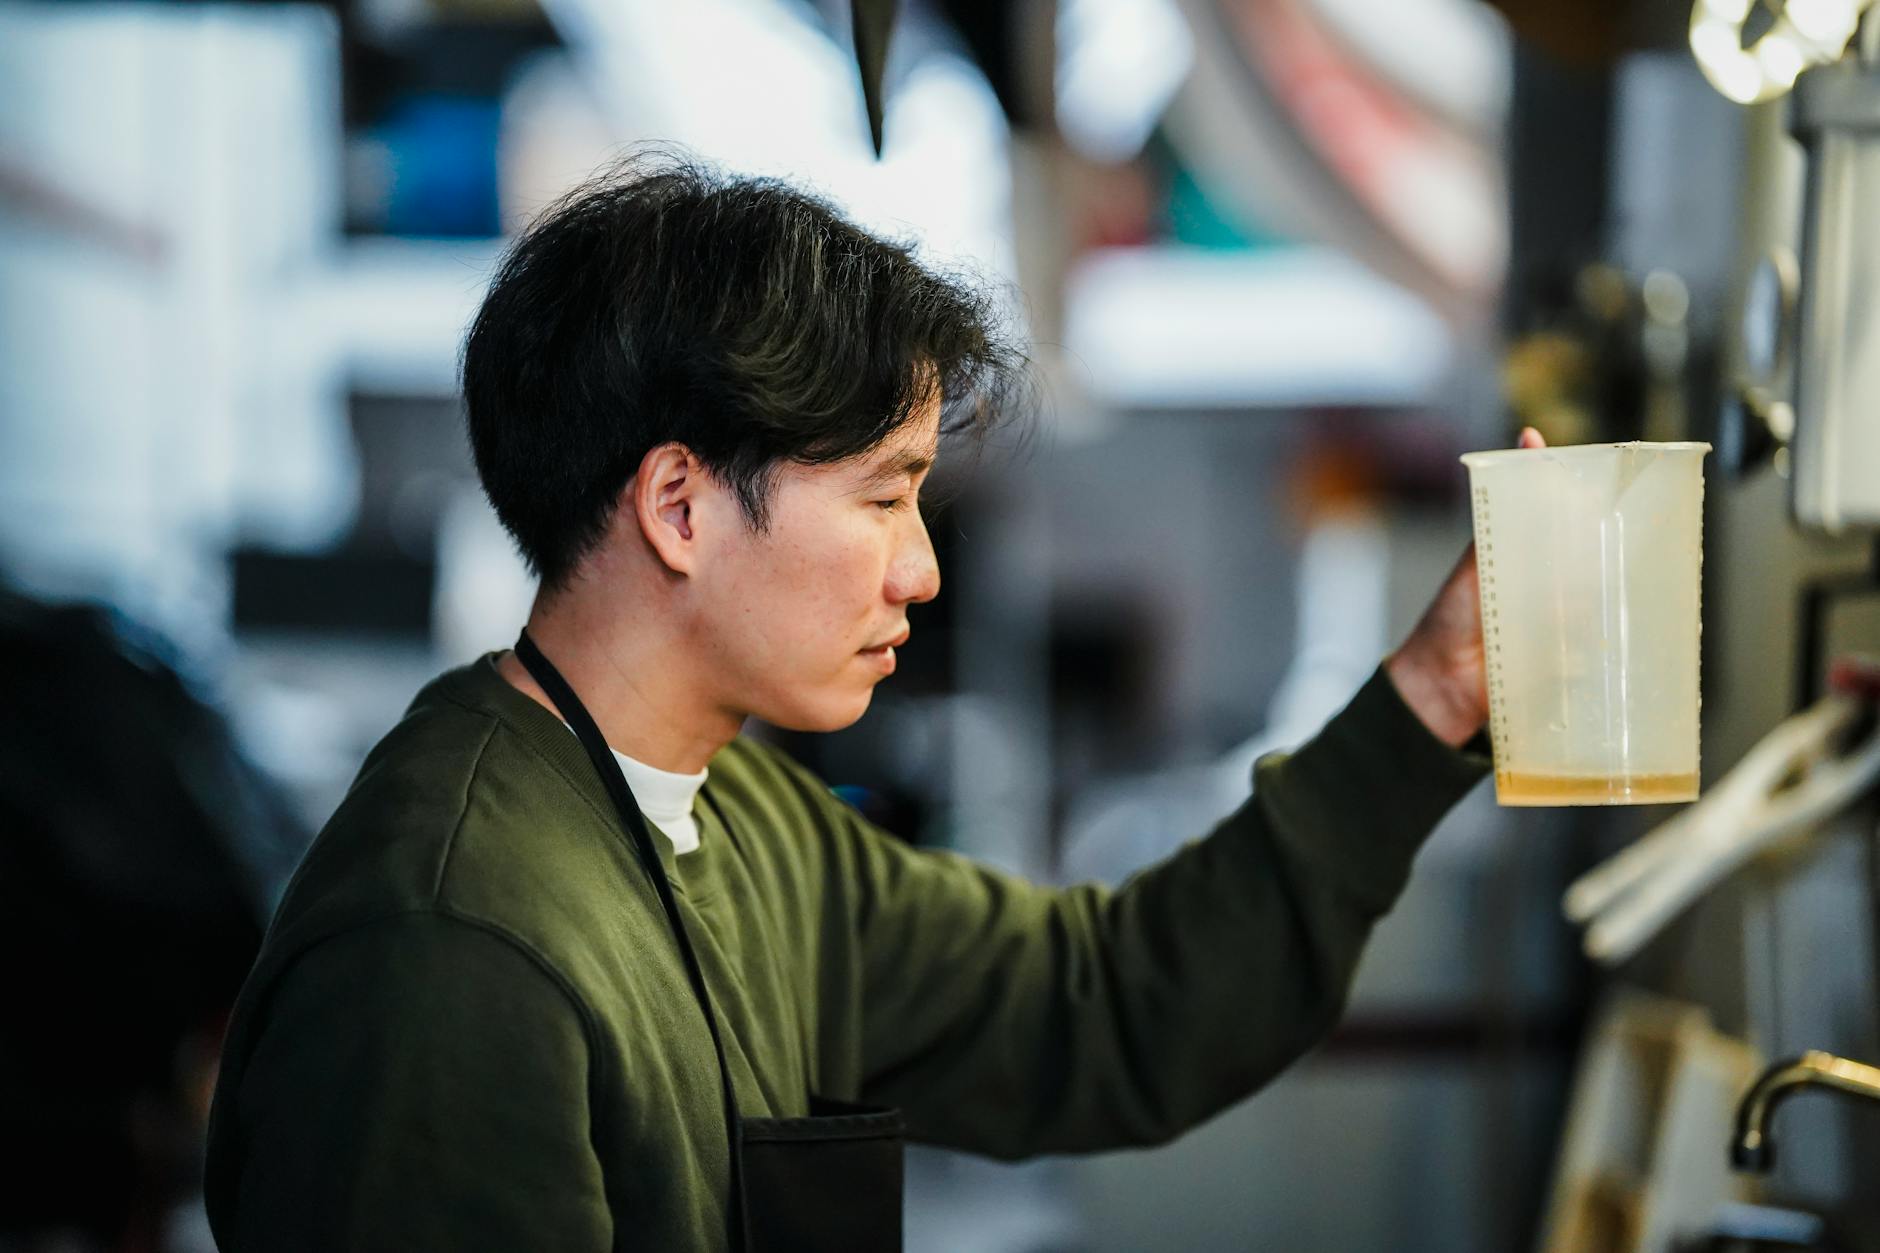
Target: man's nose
(914,576)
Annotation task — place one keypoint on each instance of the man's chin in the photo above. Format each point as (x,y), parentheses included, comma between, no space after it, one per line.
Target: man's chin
(833,714)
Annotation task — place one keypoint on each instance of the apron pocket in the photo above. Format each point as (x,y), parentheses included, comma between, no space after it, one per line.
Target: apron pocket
(829,1181)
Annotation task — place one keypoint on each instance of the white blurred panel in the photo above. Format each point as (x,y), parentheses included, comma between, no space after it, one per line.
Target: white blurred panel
(1451,55)
(167,190)
(1119,63)
(1174,328)
(758,87)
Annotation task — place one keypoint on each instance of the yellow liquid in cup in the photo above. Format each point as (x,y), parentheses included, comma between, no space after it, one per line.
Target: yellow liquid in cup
(1513,788)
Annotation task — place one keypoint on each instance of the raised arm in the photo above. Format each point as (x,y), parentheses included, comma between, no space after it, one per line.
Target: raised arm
(1011,1019)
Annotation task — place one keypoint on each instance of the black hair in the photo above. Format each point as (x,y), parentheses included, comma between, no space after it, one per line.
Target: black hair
(743,318)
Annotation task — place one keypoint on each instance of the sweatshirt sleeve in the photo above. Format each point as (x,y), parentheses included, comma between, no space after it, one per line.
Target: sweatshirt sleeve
(416,1084)
(1012,1019)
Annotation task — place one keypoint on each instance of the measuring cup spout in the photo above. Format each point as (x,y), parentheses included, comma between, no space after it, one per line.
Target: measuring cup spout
(1634,461)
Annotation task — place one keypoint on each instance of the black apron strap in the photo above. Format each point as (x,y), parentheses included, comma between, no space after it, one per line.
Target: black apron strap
(577,717)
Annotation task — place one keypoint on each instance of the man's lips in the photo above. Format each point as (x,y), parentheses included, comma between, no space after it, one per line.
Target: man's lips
(896,642)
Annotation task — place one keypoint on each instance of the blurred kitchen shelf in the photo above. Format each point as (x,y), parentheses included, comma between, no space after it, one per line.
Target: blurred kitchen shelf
(1153,328)
(308,705)
(1302,327)
(396,310)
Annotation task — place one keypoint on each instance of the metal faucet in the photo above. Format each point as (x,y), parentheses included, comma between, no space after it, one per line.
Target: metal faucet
(1751,1149)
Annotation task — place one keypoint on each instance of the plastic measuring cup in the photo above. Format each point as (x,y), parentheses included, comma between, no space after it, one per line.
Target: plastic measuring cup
(1589,559)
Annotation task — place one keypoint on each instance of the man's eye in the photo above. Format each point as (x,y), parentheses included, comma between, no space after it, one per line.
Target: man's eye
(893,506)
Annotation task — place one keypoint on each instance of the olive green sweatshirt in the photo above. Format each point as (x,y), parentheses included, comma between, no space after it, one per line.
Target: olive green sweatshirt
(469,1027)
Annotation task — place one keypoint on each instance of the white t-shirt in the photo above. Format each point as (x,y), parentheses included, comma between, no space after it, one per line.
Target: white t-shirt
(664,797)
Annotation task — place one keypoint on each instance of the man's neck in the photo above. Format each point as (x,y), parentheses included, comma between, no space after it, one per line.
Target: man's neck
(642,690)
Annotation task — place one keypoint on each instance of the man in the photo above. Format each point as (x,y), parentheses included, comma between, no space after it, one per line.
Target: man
(575,966)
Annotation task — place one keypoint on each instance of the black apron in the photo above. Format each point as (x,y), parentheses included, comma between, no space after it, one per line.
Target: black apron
(828,1181)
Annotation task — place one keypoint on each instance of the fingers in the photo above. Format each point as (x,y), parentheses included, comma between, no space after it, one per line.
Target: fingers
(1531,438)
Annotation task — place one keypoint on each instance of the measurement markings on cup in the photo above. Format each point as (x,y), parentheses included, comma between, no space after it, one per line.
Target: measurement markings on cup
(1491,623)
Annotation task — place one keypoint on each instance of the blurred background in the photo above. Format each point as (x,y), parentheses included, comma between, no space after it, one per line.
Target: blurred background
(1282,261)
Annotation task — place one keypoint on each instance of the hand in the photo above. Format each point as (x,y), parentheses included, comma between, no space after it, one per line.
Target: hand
(1440,670)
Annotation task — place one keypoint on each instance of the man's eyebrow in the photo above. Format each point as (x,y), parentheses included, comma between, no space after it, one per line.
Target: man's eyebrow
(907,463)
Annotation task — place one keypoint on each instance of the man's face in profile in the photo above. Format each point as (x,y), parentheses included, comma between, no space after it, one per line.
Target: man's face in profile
(804,614)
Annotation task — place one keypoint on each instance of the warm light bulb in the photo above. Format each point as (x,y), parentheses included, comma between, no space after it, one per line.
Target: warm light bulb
(1782,62)
(1823,22)
(1730,70)
(1805,33)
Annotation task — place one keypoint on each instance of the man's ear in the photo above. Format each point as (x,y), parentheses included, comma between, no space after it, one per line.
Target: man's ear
(665,498)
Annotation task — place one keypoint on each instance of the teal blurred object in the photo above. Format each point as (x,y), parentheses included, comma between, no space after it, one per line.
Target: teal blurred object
(1195,218)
